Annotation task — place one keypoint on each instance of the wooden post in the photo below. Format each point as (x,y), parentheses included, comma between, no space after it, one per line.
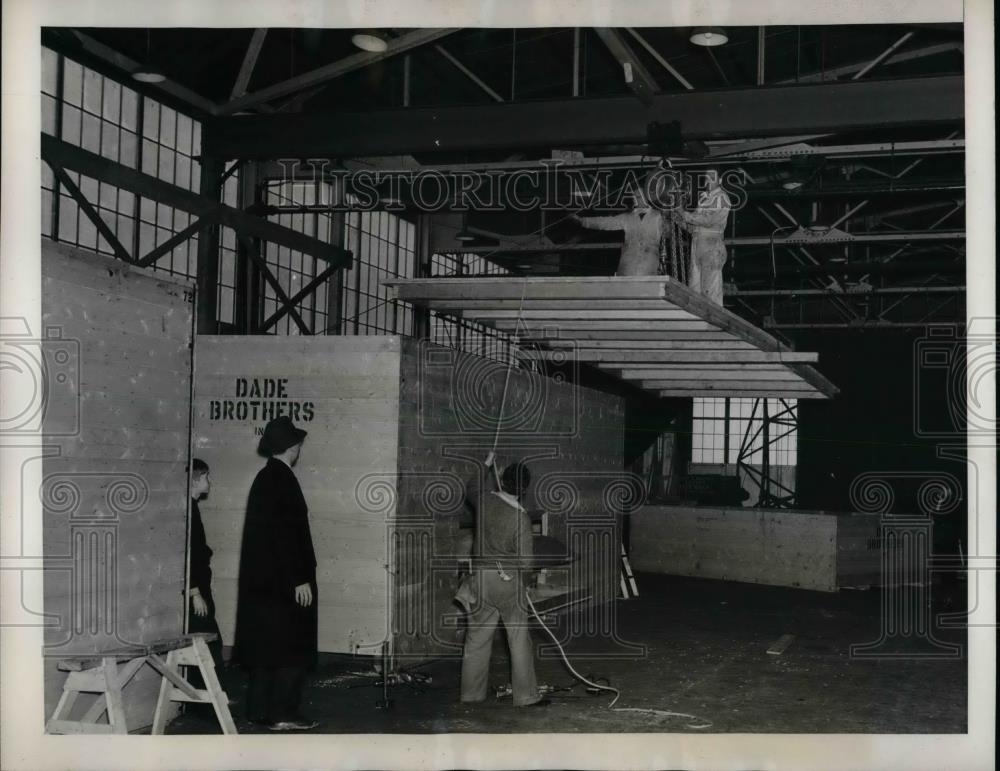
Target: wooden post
(113,694)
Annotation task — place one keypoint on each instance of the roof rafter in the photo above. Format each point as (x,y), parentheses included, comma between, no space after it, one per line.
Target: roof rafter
(336,69)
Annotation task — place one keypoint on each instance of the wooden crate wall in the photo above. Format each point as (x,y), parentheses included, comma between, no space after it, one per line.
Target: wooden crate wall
(346,392)
(115,479)
(803,549)
(572,437)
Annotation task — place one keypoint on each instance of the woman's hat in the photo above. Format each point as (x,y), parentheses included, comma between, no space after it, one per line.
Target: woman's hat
(279,435)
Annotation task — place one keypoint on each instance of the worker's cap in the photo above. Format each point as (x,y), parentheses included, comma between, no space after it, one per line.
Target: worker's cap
(279,435)
(516,477)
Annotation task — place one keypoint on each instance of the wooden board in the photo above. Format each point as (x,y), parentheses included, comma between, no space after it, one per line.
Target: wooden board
(780,547)
(780,645)
(574,309)
(115,497)
(345,392)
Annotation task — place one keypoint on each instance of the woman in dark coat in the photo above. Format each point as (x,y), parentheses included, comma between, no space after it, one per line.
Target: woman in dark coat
(276,613)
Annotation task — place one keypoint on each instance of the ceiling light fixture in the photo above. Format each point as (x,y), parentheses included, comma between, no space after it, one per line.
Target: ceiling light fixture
(709,36)
(147,73)
(464,235)
(371,41)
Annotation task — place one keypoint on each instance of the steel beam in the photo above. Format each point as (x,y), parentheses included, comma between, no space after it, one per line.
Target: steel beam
(841,237)
(174,241)
(861,324)
(328,72)
(833,270)
(207,270)
(881,57)
(249,62)
(637,77)
(284,300)
(659,58)
(719,114)
(804,238)
(847,69)
(92,165)
(469,73)
(825,293)
(123,63)
(91,213)
(859,150)
(297,298)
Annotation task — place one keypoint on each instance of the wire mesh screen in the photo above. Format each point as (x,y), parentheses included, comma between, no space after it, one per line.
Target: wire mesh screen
(462,334)
(384,246)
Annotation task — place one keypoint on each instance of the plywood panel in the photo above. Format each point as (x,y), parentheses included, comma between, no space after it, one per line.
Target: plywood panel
(571,437)
(115,497)
(627,304)
(345,392)
(810,550)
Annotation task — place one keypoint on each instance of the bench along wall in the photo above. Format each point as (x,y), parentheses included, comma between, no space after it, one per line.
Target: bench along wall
(781,547)
(396,428)
(115,471)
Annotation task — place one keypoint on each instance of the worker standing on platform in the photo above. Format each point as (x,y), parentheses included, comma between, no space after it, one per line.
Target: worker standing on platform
(276,615)
(643,226)
(707,225)
(495,589)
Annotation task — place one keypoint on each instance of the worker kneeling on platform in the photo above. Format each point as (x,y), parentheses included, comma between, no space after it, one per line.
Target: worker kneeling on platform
(495,589)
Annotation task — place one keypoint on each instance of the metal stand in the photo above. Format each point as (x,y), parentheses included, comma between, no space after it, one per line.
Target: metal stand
(773,494)
(392,676)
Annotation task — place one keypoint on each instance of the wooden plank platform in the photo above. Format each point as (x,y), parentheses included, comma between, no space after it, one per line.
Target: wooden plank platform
(625,325)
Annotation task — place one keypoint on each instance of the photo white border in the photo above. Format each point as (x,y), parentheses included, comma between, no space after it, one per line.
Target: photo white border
(23,744)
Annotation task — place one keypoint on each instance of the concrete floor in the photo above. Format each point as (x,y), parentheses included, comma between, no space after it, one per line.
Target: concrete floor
(706,659)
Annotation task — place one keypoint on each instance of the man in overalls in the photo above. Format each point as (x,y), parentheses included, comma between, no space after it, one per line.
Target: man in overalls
(707,225)
(495,590)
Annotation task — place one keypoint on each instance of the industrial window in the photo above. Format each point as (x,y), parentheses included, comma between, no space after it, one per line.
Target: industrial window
(462,334)
(226,312)
(169,140)
(104,116)
(727,431)
(100,115)
(293,269)
(384,246)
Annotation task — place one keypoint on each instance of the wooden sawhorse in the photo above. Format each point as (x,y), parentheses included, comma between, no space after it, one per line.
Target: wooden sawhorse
(108,672)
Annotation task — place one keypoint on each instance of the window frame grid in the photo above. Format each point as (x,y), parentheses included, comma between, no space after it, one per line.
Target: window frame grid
(381,250)
(706,424)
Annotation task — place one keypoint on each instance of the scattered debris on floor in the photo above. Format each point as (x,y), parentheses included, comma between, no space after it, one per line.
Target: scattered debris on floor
(662,713)
(780,645)
(343,677)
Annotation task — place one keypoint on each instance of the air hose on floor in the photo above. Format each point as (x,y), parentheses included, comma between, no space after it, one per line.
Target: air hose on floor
(565,659)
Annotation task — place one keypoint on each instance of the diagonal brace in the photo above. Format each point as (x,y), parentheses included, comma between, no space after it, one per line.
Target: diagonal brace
(262,266)
(298,297)
(85,206)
